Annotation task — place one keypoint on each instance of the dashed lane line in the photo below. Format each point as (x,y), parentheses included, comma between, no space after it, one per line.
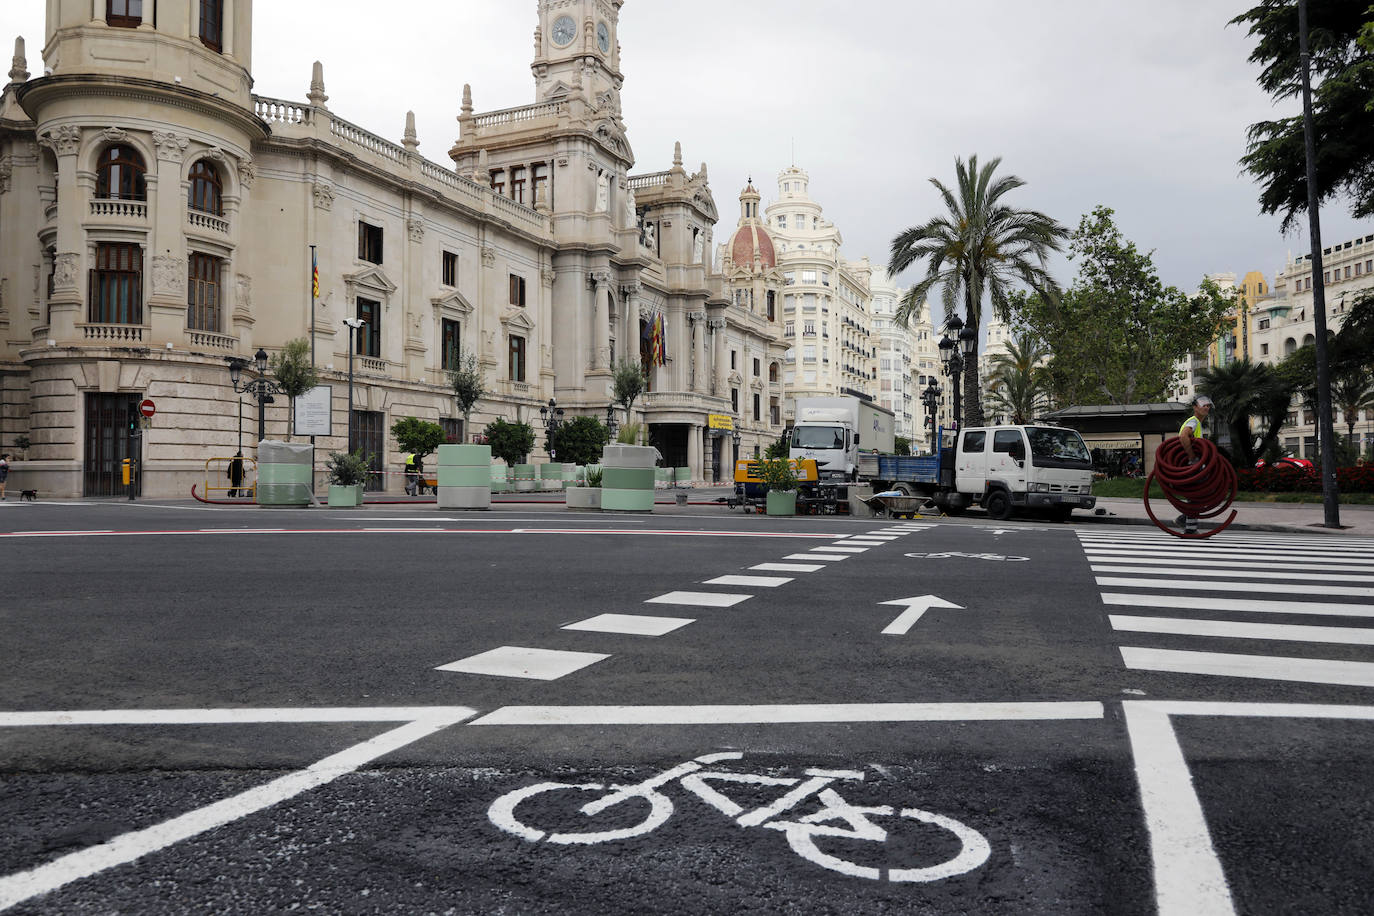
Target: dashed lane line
(699,599)
(746,581)
(630,624)
(524,662)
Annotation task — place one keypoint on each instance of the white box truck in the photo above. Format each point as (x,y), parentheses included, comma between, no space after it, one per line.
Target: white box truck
(832,432)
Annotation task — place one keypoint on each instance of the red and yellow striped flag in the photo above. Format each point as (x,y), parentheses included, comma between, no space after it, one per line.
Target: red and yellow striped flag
(314,276)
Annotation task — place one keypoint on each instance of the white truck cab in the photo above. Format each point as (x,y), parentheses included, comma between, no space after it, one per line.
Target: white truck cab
(1039,467)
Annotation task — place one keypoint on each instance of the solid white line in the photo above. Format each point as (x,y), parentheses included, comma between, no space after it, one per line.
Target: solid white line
(1204,603)
(1256,710)
(1188,876)
(876,536)
(816,556)
(760,581)
(1353,636)
(630,624)
(1188,552)
(1353,591)
(787,714)
(1147,558)
(863,542)
(1237,570)
(524,662)
(700,599)
(789,567)
(1263,667)
(123,849)
(846,549)
(229,716)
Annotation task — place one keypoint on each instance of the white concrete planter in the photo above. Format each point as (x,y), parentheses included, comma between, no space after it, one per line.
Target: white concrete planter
(585,498)
(345,497)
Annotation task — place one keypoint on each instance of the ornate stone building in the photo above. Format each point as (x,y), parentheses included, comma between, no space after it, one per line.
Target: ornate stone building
(156,219)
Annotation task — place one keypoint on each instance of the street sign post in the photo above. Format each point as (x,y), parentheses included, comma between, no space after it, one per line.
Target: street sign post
(147,407)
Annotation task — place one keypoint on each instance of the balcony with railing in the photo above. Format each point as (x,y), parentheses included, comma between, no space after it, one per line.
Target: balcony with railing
(519,115)
(114,333)
(211,340)
(650,180)
(371,364)
(115,209)
(208,222)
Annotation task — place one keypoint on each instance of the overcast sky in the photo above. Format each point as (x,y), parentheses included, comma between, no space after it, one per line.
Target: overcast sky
(1141,106)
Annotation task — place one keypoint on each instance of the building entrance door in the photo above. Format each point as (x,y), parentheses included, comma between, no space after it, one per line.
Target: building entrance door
(110,418)
(718,470)
(369,435)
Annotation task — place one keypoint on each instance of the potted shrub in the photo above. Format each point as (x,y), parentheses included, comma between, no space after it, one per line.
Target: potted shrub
(587,496)
(781,480)
(347,473)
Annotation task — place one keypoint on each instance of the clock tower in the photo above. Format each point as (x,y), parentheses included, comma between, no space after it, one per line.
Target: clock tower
(576,51)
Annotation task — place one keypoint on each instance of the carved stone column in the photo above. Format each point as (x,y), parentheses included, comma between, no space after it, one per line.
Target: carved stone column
(69,267)
(629,320)
(167,242)
(601,320)
(694,452)
(720,378)
(700,382)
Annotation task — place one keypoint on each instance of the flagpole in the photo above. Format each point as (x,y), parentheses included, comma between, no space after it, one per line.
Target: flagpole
(314,288)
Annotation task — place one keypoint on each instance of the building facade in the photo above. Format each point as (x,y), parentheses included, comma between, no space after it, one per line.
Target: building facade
(897,362)
(157,219)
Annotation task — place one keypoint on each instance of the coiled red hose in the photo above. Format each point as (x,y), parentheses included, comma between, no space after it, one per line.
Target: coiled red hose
(1202,490)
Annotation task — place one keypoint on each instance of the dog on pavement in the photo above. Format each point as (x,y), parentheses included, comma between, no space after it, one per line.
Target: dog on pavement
(30,495)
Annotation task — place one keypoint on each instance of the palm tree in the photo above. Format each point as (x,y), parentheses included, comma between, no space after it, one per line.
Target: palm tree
(979,246)
(1242,391)
(1352,392)
(1017,386)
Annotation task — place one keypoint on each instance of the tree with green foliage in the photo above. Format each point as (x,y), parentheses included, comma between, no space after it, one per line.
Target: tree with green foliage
(980,246)
(628,382)
(467,383)
(1018,386)
(1252,399)
(292,371)
(579,440)
(511,442)
(778,448)
(416,436)
(1341,42)
(1118,332)
(901,445)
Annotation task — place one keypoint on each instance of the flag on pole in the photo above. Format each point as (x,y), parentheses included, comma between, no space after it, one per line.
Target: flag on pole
(314,276)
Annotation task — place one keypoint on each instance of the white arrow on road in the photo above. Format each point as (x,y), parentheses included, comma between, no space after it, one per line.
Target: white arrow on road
(915,607)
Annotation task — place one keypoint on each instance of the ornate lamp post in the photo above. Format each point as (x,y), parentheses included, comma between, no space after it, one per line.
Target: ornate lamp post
(260,388)
(957,346)
(930,397)
(735,437)
(611,426)
(552,415)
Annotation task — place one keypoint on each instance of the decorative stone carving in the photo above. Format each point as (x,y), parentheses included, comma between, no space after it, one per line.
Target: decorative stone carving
(698,245)
(115,134)
(243,295)
(247,173)
(64,271)
(603,191)
(170,147)
(64,140)
(631,212)
(649,239)
(416,228)
(599,278)
(488,257)
(631,289)
(324,195)
(6,173)
(169,276)
(548,276)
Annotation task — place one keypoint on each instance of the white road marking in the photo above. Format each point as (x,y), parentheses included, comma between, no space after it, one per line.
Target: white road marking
(877,536)
(1257,710)
(846,549)
(788,714)
(864,542)
(522,662)
(230,716)
(1185,554)
(1188,876)
(1354,636)
(630,624)
(915,608)
(1300,588)
(1230,570)
(789,567)
(760,581)
(121,850)
(1206,603)
(700,599)
(1263,667)
(817,554)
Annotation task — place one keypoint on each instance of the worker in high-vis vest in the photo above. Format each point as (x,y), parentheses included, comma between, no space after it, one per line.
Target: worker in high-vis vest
(1190,430)
(412,478)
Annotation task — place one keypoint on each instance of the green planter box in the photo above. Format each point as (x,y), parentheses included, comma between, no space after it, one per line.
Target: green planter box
(500,478)
(782,502)
(345,497)
(465,477)
(523,477)
(627,484)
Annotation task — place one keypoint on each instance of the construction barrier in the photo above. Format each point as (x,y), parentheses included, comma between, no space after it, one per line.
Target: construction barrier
(465,477)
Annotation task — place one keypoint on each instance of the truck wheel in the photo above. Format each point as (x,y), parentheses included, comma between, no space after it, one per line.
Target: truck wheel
(998,504)
(905,489)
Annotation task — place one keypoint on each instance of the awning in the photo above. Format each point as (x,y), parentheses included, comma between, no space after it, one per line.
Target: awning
(1117,442)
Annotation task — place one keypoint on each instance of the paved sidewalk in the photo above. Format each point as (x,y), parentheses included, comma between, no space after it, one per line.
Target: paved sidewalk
(1305,517)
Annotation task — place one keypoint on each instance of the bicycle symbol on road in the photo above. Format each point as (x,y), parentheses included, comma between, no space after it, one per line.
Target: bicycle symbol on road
(835,821)
(954,554)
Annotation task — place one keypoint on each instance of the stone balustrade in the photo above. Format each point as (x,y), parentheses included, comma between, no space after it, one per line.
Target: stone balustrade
(352,133)
(113,208)
(280,111)
(370,364)
(207,221)
(113,333)
(521,113)
(653,179)
(212,341)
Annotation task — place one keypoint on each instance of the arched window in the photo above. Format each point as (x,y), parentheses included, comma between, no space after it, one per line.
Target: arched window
(773,373)
(1309,340)
(1289,346)
(120,174)
(205,192)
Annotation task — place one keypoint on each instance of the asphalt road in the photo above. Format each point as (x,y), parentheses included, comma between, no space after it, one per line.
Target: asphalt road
(402,710)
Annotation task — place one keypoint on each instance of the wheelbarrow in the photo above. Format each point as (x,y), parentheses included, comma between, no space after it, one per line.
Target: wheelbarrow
(895,504)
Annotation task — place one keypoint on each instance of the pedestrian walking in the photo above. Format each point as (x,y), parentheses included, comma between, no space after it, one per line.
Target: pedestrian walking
(235,475)
(1190,430)
(412,478)
(5,473)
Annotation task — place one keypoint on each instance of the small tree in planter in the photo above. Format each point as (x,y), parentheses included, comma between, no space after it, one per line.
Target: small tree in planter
(777,449)
(511,442)
(587,496)
(781,480)
(291,368)
(465,378)
(627,384)
(347,473)
(579,441)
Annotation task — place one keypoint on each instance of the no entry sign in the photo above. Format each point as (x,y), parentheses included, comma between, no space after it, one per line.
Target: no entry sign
(147,407)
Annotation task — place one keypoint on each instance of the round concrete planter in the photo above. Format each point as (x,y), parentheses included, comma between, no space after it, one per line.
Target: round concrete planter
(500,477)
(782,502)
(345,497)
(551,476)
(585,499)
(523,477)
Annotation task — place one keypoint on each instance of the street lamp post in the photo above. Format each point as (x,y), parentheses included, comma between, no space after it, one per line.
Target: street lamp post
(611,426)
(260,388)
(353,325)
(735,437)
(552,415)
(930,397)
(958,345)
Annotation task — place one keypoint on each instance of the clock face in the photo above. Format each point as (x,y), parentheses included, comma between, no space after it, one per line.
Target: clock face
(603,37)
(564,30)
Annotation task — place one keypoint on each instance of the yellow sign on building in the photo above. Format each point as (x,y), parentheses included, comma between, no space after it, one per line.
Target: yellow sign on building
(720,421)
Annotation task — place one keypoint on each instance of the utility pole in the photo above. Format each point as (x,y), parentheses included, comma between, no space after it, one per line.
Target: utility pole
(1325,427)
